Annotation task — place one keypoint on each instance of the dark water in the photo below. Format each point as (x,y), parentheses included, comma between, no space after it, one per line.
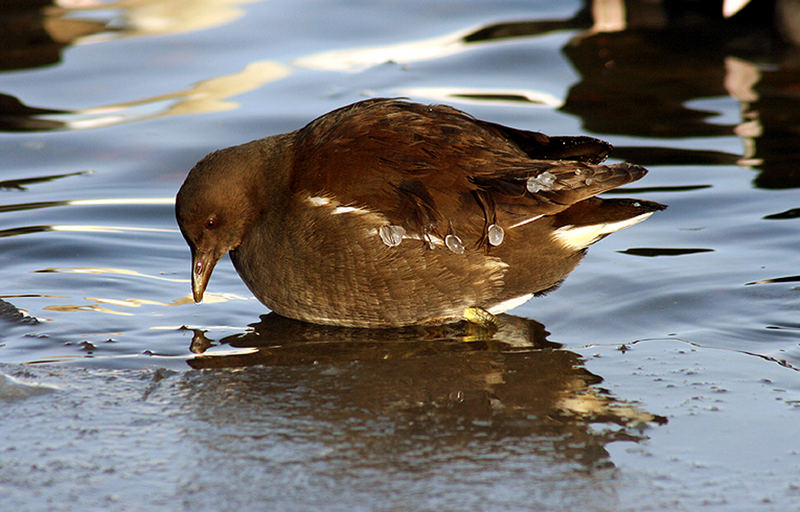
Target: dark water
(663,375)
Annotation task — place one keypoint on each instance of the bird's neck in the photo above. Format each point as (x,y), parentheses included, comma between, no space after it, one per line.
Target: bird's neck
(268,183)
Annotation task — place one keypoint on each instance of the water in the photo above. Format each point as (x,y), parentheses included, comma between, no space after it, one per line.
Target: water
(113,381)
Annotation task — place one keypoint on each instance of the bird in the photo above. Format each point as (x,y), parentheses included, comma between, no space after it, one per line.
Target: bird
(388,213)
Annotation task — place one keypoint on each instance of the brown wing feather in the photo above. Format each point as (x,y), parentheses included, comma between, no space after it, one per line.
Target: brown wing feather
(539,146)
(442,170)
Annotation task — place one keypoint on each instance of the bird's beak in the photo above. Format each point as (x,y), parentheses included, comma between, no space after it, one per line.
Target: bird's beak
(202,265)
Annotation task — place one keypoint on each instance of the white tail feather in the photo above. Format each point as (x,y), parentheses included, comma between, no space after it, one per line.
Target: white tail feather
(581,237)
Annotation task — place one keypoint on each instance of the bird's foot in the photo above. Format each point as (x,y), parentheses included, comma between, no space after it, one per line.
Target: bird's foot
(480,317)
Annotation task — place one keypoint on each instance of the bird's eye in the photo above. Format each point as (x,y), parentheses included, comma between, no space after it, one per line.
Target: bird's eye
(211,223)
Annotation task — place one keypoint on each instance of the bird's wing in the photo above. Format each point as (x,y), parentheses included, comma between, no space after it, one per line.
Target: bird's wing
(436,170)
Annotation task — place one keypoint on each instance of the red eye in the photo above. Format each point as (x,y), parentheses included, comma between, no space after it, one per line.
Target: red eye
(211,223)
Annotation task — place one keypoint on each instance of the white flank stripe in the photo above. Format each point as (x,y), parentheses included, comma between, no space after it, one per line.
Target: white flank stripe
(522,223)
(435,240)
(510,304)
(581,237)
(347,209)
(318,201)
(731,7)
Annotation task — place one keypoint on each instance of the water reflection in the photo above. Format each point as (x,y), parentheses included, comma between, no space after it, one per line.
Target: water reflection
(671,58)
(104,304)
(31,37)
(107,271)
(34,33)
(123,201)
(157,17)
(204,96)
(15,116)
(511,368)
(788,279)
(357,59)
(297,337)
(21,183)
(80,228)
(507,97)
(457,379)
(792,213)
(663,251)
(99,304)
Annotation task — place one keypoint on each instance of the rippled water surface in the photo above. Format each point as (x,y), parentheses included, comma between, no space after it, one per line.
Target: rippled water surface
(662,375)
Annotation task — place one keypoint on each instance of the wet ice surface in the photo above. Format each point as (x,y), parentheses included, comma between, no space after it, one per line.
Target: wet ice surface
(113,381)
(376,435)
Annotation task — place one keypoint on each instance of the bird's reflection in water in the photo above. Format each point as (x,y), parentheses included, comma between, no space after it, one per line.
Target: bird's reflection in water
(280,340)
(508,381)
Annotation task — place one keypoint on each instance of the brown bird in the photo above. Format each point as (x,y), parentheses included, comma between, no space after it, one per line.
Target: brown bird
(387,213)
